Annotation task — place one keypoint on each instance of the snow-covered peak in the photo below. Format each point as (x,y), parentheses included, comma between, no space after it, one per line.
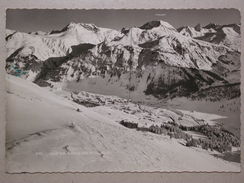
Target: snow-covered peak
(76,26)
(212,25)
(150,31)
(157,23)
(198,27)
(196,31)
(235,27)
(228,35)
(58,43)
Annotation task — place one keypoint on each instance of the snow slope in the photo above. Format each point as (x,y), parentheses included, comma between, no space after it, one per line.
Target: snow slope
(46,134)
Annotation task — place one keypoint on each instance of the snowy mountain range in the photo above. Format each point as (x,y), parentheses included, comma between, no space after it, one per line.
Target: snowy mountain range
(154,58)
(102,110)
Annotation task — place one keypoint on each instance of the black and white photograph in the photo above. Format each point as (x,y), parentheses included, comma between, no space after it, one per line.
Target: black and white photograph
(123,90)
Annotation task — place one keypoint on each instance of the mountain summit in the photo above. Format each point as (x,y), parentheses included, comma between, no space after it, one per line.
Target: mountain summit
(57,43)
(158,23)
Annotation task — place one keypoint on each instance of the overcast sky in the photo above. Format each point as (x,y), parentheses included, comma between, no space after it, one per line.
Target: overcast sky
(47,20)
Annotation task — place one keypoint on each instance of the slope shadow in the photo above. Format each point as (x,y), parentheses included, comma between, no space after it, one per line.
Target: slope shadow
(230,156)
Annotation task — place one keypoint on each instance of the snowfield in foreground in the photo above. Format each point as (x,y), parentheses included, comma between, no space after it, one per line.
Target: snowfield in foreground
(47,133)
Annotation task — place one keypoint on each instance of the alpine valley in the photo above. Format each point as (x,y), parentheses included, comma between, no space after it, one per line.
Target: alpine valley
(148,98)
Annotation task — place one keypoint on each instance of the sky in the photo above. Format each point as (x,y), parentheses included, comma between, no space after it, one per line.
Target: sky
(29,20)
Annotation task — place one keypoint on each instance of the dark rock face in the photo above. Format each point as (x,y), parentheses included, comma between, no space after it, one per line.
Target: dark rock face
(198,27)
(151,25)
(21,65)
